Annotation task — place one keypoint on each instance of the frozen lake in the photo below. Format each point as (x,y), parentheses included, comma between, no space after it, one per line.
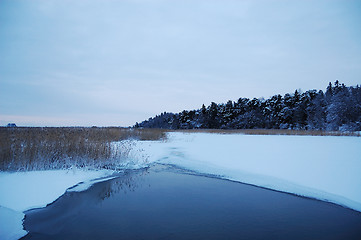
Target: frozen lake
(168,203)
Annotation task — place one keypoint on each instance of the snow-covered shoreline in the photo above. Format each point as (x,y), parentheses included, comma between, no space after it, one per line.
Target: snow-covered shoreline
(21,191)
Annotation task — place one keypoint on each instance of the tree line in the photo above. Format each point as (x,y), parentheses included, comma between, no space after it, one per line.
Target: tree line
(339,108)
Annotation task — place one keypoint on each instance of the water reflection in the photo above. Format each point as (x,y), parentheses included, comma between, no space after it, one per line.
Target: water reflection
(128,181)
(72,204)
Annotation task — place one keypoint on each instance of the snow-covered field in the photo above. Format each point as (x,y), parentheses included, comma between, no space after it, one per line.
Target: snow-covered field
(322,167)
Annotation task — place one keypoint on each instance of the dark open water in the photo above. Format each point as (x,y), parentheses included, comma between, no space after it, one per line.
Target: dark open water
(170,204)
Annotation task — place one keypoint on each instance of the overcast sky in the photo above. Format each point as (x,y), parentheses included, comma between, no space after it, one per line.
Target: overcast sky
(96,62)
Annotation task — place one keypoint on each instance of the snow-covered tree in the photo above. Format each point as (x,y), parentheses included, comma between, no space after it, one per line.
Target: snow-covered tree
(339,108)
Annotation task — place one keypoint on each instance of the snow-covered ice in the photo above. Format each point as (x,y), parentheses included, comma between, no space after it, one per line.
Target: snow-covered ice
(85,185)
(323,167)
(21,191)
(11,224)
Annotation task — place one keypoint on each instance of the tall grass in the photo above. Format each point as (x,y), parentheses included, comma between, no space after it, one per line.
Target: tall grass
(23,149)
(274,132)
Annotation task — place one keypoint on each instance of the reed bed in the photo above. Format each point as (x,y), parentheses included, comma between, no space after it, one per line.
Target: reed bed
(273,132)
(24,149)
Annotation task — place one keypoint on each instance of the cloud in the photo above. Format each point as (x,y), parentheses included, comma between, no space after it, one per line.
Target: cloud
(139,58)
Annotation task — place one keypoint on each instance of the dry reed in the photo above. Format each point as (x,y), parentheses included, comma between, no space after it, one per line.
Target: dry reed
(273,132)
(23,149)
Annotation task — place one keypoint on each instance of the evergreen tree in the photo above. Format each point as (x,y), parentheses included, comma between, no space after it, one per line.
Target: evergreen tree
(339,108)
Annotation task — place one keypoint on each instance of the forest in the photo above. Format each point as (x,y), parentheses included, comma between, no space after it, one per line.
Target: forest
(336,109)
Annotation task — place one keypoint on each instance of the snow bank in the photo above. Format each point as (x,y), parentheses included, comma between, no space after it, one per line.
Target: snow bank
(11,224)
(21,191)
(323,167)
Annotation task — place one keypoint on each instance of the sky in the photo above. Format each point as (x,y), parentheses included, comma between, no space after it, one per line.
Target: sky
(114,63)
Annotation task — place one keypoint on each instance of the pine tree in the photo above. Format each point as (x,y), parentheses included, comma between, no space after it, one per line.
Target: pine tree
(339,108)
